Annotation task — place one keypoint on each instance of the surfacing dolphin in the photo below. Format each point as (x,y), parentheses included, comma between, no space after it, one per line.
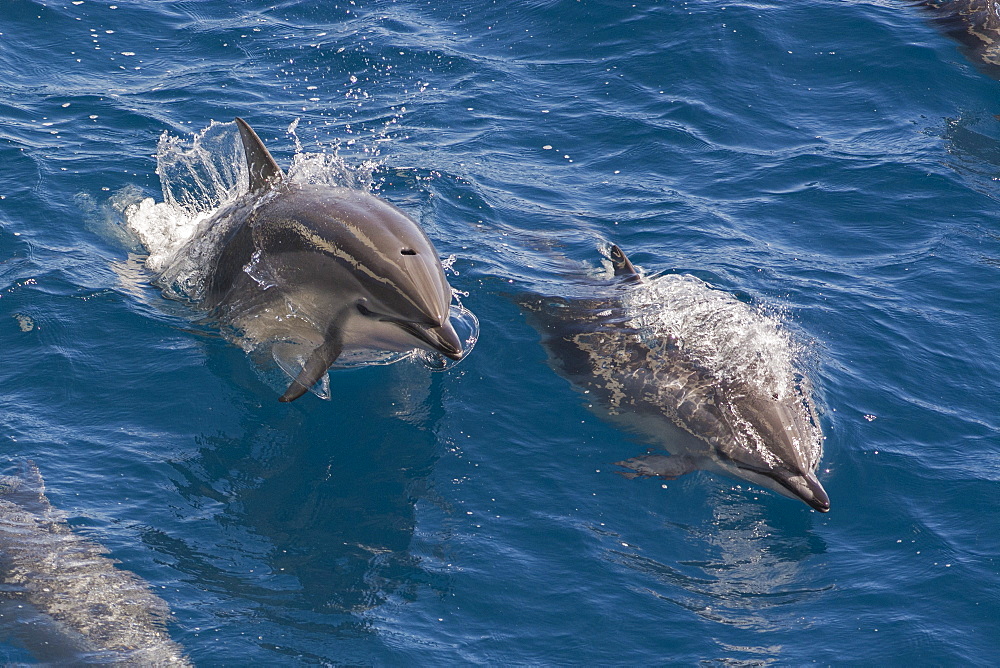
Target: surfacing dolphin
(63,598)
(694,370)
(317,271)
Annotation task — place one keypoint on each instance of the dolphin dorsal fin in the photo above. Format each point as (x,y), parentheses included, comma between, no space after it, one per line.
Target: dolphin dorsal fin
(260,165)
(623,267)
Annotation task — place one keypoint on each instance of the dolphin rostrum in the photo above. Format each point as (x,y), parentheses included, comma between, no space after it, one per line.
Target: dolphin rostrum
(692,369)
(316,272)
(63,598)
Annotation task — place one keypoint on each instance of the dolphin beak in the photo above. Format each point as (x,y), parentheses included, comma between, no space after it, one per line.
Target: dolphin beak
(808,488)
(445,340)
(441,338)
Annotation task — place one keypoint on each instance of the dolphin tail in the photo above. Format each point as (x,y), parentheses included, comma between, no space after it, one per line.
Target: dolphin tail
(314,368)
(260,165)
(623,267)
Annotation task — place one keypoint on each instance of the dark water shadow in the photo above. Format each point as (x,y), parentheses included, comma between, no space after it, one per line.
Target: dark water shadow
(747,567)
(973,144)
(310,506)
(973,141)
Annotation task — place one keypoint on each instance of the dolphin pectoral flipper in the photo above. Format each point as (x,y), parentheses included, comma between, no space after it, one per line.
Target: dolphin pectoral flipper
(659,466)
(314,368)
(261,167)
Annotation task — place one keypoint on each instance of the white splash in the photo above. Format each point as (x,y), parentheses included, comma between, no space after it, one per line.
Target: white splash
(197,179)
(715,329)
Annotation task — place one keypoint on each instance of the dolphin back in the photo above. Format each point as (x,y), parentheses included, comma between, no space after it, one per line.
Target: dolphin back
(975,24)
(73,598)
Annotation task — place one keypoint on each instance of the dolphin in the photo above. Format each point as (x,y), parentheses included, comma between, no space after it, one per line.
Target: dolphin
(62,598)
(692,369)
(975,24)
(317,271)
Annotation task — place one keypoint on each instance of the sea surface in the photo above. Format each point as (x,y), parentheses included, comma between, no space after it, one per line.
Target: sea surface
(831,162)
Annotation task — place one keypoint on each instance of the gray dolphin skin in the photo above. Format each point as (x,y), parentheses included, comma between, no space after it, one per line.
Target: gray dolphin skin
(318,271)
(976,25)
(63,599)
(693,370)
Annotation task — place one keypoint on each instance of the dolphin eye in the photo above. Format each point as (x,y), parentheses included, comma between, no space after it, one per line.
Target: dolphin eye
(407,251)
(363,310)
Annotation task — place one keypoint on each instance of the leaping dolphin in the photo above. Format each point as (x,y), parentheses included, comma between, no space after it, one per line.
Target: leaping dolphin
(693,369)
(318,271)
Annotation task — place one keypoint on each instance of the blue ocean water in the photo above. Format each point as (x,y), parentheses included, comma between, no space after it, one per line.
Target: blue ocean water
(835,162)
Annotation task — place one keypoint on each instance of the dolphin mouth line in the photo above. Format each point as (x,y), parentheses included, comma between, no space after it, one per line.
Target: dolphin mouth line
(807,487)
(424,333)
